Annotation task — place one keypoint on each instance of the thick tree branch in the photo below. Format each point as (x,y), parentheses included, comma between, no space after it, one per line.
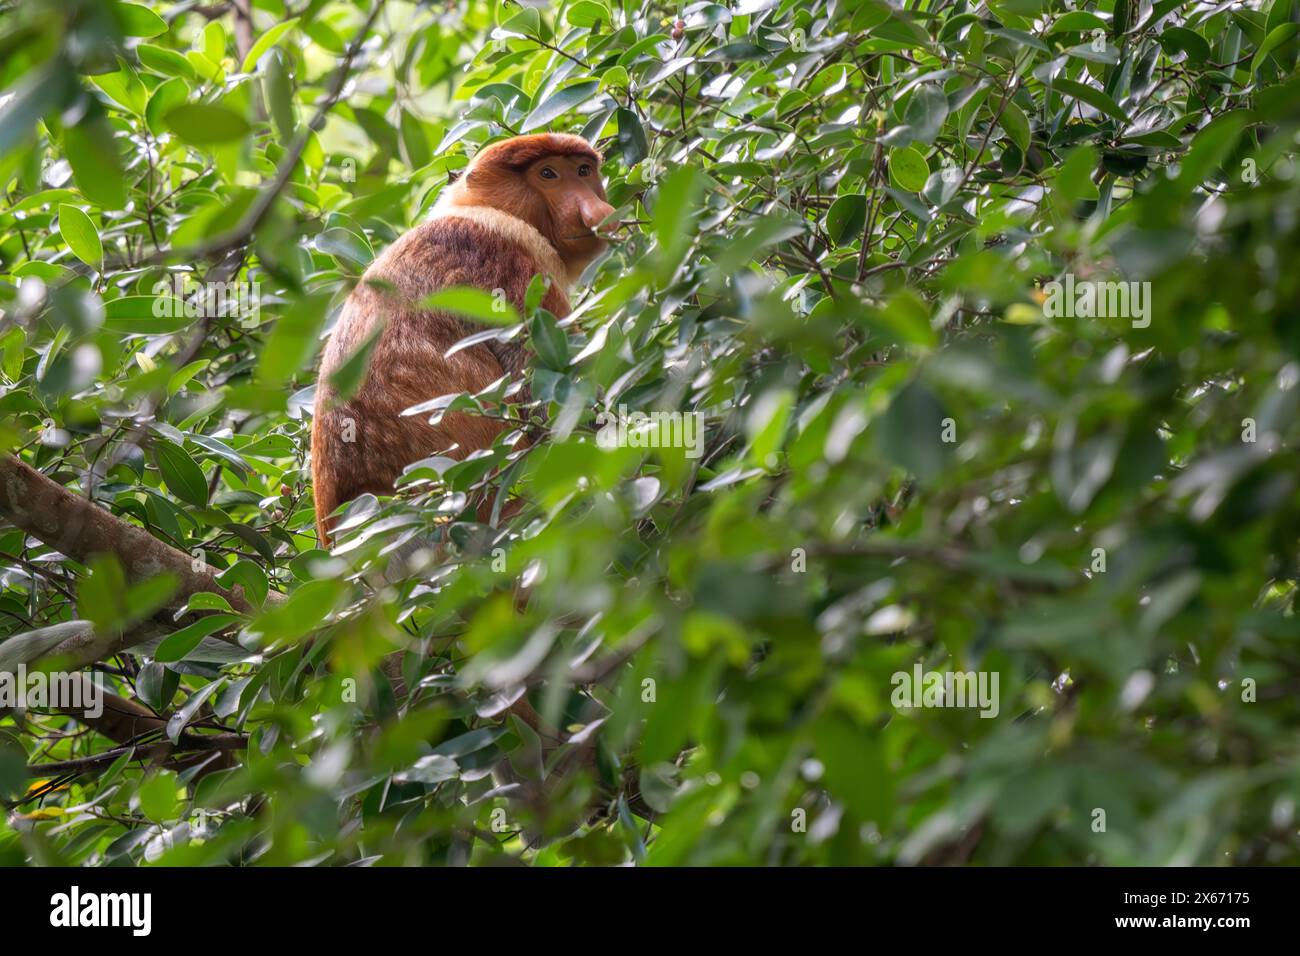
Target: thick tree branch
(79,528)
(119,719)
(69,646)
(122,720)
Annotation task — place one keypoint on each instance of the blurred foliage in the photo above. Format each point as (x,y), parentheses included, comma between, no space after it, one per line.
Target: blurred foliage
(841,216)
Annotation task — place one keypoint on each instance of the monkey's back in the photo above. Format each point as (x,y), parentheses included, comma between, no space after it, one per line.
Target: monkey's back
(362,444)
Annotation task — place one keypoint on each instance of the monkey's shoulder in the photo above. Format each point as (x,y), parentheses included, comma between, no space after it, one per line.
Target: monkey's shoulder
(438,254)
(450,250)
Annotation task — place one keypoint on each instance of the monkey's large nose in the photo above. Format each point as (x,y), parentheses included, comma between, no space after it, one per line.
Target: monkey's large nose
(594,212)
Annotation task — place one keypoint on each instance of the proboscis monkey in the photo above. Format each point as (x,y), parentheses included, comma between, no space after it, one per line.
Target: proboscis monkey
(525,206)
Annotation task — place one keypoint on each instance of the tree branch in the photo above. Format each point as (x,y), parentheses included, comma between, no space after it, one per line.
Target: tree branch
(240,233)
(214,742)
(69,646)
(79,528)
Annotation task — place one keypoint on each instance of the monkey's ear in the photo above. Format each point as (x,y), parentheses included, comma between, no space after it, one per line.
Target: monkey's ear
(453,175)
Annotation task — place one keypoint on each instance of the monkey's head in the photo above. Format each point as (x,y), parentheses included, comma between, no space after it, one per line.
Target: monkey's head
(552,181)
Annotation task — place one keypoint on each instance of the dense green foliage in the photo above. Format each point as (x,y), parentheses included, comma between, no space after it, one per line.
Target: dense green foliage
(840,217)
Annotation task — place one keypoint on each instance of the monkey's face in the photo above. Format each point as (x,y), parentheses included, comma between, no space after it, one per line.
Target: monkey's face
(574,196)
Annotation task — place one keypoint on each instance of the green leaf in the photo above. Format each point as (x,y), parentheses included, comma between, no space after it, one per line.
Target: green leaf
(1211,145)
(149,595)
(926,112)
(550,343)
(857,773)
(1176,39)
(176,646)
(208,601)
(180,720)
(1018,38)
(348,377)
(166,96)
(325,36)
(1074,179)
(1078,21)
(559,103)
(535,293)
(672,212)
(181,475)
(81,235)
(138,21)
(681,707)
(293,341)
(214,41)
(414,142)
(32,98)
(92,153)
(474,304)
(907,318)
(247,577)
(1092,96)
(264,42)
(205,68)
(913,431)
(588,13)
(526,22)
(737,52)
(168,62)
(125,88)
(146,315)
(1089,51)
(203,125)
(1122,19)
(157,796)
(1015,124)
(1276,37)
(345,244)
(846,218)
(101,594)
(277,89)
(908,169)
(632,141)
(302,612)
(766,426)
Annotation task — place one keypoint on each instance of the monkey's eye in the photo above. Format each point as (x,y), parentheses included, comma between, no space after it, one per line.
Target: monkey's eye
(584,170)
(548,173)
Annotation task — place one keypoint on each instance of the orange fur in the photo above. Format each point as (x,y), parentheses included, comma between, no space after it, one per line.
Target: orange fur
(502,223)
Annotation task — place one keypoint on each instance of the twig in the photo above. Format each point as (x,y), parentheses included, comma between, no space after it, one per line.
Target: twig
(209,743)
(240,233)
